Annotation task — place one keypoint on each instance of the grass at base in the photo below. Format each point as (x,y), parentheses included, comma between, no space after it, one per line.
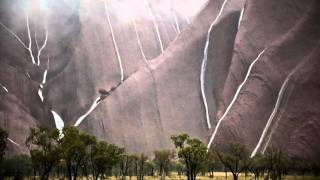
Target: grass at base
(217,176)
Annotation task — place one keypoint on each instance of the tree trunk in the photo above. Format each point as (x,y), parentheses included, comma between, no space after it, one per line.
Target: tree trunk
(235,176)
(69,170)
(45,174)
(225,170)
(34,173)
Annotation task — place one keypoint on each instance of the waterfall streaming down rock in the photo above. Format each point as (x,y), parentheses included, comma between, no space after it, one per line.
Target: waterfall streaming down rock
(155,23)
(115,45)
(275,110)
(58,120)
(234,98)
(204,65)
(93,106)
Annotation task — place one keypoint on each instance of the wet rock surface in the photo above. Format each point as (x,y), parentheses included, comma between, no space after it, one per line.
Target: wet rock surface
(160,94)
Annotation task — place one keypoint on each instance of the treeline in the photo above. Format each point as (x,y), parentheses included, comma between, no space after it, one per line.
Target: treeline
(72,154)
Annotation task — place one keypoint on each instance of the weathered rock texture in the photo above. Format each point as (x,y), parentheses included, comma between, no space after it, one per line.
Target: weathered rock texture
(160,95)
(291,32)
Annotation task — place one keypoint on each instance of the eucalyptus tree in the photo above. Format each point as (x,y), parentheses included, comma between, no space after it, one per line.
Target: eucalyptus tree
(234,157)
(104,157)
(76,148)
(142,160)
(163,159)
(192,152)
(126,165)
(258,166)
(276,162)
(3,142)
(45,151)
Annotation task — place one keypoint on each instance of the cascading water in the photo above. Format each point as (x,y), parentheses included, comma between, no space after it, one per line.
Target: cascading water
(40,93)
(234,98)
(275,109)
(14,35)
(176,21)
(13,142)
(20,41)
(240,18)
(114,41)
(155,24)
(30,41)
(29,48)
(174,14)
(43,45)
(93,106)
(204,64)
(43,82)
(4,88)
(58,120)
(139,41)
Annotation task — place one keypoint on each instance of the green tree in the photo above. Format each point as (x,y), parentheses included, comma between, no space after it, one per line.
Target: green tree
(211,163)
(192,152)
(276,163)
(179,168)
(18,167)
(258,165)
(163,160)
(89,141)
(75,146)
(105,156)
(235,158)
(3,142)
(44,149)
(150,168)
(142,159)
(133,170)
(315,168)
(126,164)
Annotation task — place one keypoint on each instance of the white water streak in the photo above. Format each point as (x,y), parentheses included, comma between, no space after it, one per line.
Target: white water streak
(173,12)
(14,35)
(13,142)
(204,64)
(176,21)
(58,121)
(40,93)
(269,139)
(44,79)
(139,41)
(114,40)
(186,17)
(42,47)
(275,109)
(155,24)
(29,47)
(234,98)
(93,106)
(4,88)
(240,18)
(30,41)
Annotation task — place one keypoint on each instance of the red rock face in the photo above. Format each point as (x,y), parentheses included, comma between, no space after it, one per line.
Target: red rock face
(83,45)
(161,92)
(292,41)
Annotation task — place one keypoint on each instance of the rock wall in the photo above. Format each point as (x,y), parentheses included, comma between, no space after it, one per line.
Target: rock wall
(267,48)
